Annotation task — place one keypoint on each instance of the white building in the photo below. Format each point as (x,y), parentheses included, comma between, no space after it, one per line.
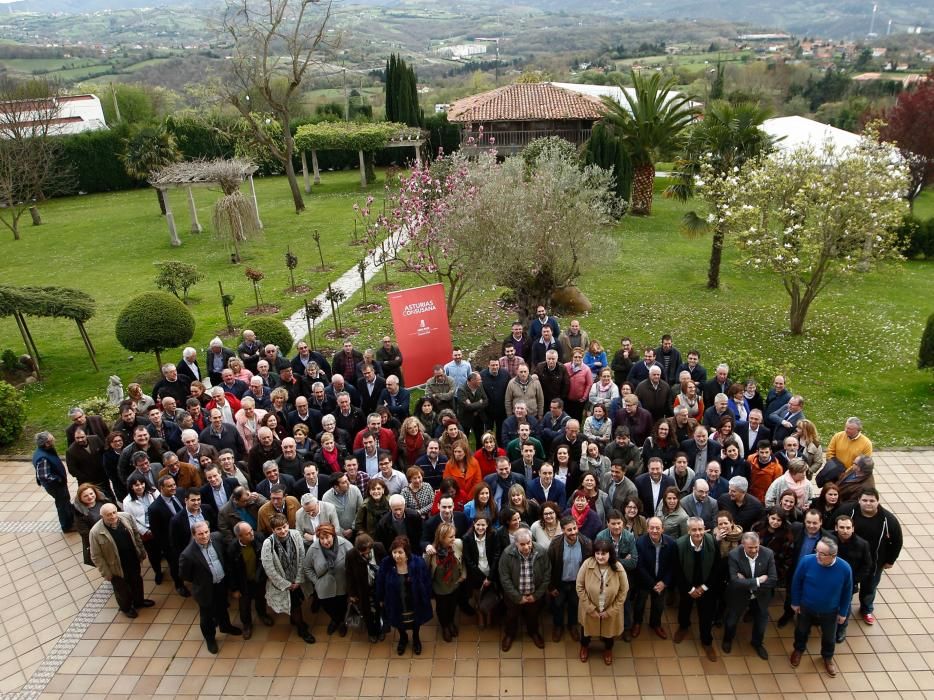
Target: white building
(74,114)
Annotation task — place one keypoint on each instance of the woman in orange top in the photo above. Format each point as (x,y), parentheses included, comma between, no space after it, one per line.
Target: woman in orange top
(465,470)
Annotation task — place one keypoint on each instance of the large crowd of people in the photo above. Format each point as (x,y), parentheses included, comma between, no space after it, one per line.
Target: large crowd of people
(596,487)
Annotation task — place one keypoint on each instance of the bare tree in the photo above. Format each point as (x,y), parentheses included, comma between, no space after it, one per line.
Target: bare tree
(272,40)
(30,167)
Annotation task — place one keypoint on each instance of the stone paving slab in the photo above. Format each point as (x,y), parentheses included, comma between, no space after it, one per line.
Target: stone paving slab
(61,635)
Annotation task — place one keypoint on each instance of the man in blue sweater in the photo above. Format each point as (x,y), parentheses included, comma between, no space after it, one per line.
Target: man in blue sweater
(820,595)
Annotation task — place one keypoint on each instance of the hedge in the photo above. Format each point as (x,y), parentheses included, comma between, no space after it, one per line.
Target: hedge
(272,330)
(94,160)
(12,413)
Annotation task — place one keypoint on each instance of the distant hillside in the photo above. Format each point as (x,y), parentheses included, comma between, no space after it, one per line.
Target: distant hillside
(85,6)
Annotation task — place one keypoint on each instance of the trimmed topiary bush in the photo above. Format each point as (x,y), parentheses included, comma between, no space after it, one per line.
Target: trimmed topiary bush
(272,330)
(153,322)
(926,354)
(12,413)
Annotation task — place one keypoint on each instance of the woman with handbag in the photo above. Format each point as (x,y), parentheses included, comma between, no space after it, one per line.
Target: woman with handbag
(362,565)
(446,567)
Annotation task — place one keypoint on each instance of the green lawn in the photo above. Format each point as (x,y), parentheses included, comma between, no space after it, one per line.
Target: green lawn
(857,356)
(105,245)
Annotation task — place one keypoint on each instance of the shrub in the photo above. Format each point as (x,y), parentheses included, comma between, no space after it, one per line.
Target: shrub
(94,159)
(744,365)
(564,148)
(916,237)
(100,406)
(272,330)
(153,322)
(10,361)
(926,353)
(176,276)
(12,413)
(202,137)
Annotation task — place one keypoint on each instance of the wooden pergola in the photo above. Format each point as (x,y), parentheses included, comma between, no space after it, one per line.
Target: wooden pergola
(196,173)
(332,136)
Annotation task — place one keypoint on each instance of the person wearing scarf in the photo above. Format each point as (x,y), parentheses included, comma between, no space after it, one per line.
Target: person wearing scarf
(445,560)
(588,522)
(282,561)
(324,569)
(413,441)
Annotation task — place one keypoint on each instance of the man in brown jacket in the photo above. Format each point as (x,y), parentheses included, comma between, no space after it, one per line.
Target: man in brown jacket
(278,503)
(117,550)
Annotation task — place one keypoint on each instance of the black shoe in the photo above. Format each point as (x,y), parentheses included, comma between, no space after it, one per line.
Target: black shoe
(231,630)
(308,637)
(762,652)
(183,592)
(147,603)
(332,627)
(727,646)
(159,577)
(342,630)
(130,612)
(373,638)
(211,645)
(417,646)
(266,620)
(841,637)
(381,636)
(785,619)
(400,648)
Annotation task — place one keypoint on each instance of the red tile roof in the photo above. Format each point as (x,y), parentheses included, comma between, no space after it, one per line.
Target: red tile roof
(525,102)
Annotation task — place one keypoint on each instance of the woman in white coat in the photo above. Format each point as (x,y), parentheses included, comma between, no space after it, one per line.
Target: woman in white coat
(282,561)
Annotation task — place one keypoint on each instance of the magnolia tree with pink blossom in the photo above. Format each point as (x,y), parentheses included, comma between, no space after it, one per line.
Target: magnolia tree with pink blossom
(811,216)
(530,230)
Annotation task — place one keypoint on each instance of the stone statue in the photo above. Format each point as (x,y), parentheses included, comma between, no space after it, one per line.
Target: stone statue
(115,391)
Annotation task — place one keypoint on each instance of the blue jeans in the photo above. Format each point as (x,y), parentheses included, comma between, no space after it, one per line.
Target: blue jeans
(867,592)
(66,514)
(828,631)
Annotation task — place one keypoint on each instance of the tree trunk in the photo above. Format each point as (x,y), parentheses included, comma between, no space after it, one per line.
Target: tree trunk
(36,216)
(293,185)
(158,358)
(160,195)
(716,255)
(642,189)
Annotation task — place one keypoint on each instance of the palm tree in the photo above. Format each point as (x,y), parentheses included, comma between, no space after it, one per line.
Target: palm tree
(148,150)
(649,126)
(728,136)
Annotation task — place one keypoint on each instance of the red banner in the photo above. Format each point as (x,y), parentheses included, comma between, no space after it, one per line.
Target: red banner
(420,317)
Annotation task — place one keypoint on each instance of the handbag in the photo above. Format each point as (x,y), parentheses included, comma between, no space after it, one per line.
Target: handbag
(353,619)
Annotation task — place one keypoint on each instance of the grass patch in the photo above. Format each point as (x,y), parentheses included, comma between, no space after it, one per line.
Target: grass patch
(106,244)
(857,356)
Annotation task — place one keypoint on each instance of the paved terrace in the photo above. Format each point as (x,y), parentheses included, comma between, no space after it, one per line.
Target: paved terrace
(61,635)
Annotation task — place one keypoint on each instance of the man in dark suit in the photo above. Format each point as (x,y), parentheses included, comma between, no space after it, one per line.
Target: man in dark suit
(784,420)
(396,398)
(752,431)
(243,506)
(502,481)
(655,573)
(274,477)
(250,351)
(701,450)
(92,425)
(445,514)
(699,504)
(619,488)
(172,384)
(546,488)
(347,416)
(745,508)
(806,536)
(306,355)
(398,521)
(161,511)
(202,563)
(306,415)
(698,570)
(370,387)
(195,512)
(718,385)
(246,577)
(193,449)
(651,486)
(217,490)
(528,465)
(216,359)
(752,581)
(221,435)
(189,366)
(312,482)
